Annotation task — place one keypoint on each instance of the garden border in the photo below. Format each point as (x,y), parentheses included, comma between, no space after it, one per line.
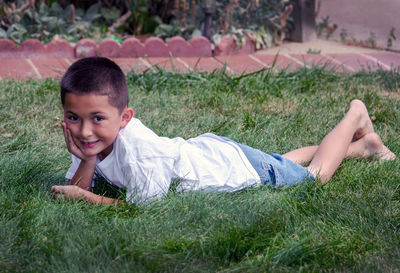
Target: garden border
(129,48)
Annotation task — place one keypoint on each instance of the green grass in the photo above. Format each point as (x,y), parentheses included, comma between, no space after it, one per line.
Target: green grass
(350,225)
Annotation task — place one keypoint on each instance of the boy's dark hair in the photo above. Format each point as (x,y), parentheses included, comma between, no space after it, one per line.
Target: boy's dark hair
(97,75)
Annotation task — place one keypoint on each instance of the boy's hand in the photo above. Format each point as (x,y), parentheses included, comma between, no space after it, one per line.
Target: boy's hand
(69,192)
(72,147)
(72,192)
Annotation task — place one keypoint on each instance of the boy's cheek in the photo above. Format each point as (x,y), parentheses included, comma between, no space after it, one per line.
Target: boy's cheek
(70,124)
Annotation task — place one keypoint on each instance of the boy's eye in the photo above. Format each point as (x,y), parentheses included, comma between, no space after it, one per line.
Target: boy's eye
(72,118)
(98,118)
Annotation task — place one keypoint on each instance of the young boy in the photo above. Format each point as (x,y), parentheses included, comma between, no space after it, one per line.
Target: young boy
(106,140)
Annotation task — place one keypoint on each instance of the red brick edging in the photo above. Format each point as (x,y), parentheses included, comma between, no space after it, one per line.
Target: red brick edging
(23,68)
(32,59)
(129,48)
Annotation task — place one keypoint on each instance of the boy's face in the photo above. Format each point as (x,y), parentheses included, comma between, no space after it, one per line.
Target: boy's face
(94,123)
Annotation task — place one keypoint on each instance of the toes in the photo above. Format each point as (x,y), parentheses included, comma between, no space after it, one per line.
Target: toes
(386,154)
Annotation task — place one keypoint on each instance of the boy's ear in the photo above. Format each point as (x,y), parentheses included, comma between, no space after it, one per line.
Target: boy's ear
(126,115)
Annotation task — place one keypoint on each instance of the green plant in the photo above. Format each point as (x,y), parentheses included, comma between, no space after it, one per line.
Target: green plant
(264,22)
(313,51)
(371,41)
(325,27)
(44,22)
(392,37)
(343,35)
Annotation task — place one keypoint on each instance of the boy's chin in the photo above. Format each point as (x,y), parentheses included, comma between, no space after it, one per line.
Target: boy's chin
(90,153)
(99,151)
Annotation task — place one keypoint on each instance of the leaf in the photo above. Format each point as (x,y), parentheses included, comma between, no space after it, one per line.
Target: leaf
(216,38)
(3,33)
(72,29)
(163,30)
(52,20)
(196,33)
(268,39)
(79,13)
(391,34)
(110,14)
(57,9)
(16,28)
(17,32)
(92,13)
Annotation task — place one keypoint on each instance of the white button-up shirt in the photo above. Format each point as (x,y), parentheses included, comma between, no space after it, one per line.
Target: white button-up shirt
(145,164)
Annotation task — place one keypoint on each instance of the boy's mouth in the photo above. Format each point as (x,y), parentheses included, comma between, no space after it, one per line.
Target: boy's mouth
(89,144)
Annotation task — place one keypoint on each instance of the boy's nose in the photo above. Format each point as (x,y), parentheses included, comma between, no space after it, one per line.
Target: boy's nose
(86,129)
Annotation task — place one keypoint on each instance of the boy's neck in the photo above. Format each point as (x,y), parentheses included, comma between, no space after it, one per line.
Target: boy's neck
(102,155)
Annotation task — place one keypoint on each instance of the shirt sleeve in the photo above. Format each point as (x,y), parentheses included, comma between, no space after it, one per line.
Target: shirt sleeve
(73,168)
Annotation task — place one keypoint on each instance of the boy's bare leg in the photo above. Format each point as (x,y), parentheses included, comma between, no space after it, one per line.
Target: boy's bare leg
(367,146)
(333,148)
(302,155)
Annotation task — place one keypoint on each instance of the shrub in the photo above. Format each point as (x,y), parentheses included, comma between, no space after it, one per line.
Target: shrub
(265,22)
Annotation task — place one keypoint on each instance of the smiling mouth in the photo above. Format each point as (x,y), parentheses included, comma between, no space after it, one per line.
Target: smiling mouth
(89,144)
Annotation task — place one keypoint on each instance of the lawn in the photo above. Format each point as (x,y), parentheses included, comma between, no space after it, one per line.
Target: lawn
(351,224)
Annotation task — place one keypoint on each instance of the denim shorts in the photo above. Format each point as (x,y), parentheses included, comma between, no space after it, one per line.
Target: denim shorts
(274,169)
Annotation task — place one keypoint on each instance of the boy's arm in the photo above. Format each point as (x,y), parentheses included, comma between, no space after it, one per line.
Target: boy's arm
(79,187)
(84,175)
(72,192)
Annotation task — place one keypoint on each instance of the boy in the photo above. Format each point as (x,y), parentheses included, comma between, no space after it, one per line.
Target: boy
(105,139)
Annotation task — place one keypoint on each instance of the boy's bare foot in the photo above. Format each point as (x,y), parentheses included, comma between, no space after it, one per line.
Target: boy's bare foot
(373,145)
(366,126)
